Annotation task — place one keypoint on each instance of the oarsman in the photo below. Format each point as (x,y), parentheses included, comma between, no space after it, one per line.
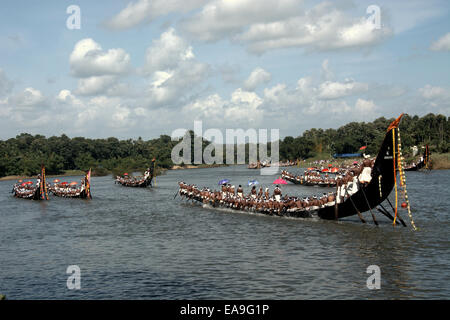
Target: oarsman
(253,192)
(240,192)
(277,193)
(266,194)
(260,193)
(366,174)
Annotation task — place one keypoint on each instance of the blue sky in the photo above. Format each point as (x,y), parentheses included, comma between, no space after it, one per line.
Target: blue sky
(145,68)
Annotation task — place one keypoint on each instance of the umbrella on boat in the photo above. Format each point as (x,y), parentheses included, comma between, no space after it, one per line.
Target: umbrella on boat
(324,170)
(73,183)
(29,182)
(280,181)
(56,180)
(223,181)
(23,184)
(333,170)
(253,182)
(330,165)
(63,183)
(355,162)
(20,180)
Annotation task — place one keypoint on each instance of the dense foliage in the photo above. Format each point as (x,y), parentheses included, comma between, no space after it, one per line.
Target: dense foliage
(24,154)
(431,129)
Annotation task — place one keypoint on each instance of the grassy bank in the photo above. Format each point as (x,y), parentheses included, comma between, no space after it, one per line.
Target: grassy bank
(67,173)
(440,161)
(198,166)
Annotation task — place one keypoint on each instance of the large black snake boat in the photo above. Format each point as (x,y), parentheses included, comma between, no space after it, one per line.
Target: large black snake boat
(366,196)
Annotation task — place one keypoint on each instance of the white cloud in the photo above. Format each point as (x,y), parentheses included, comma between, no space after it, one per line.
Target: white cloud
(142,11)
(365,107)
(28,99)
(442,44)
(222,18)
(257,77)
(430,92)
(267,25)
(242,108)
(88,59)
(334,90)
(173,69)
(101,85)
(167,52)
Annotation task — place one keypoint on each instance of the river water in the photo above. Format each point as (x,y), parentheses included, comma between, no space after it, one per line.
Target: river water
(132,243)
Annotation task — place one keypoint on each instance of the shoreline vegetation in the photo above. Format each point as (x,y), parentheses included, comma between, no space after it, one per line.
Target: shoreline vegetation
(23,155)
(81,173)
(440,161)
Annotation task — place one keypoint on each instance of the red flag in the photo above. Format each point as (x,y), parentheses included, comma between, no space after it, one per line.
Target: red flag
(362,148)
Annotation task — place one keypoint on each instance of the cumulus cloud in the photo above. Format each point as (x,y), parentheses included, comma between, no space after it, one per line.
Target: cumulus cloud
(442,44)
(167,52)
(89,59)
(257,77)
(28,99)
(173,70)
(241,108)
(268,25)
(222,18)
(334,90)
(430,92)
(365,107)
(142,11)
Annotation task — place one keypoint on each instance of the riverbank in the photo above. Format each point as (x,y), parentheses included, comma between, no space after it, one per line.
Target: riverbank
(440,161)
(199,166)
(68,173)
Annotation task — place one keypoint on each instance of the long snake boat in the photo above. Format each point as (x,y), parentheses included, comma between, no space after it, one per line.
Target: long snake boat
(423,162)
(67,191)
(28,190)
(138,182)
(351,197)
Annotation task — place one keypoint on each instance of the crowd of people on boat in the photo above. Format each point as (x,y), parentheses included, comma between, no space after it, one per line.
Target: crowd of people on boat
(131,181)
(67,190)
(261,201)
(315,176)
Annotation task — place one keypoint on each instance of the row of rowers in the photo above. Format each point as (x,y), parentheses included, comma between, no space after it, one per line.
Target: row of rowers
(256,200)
(363,172)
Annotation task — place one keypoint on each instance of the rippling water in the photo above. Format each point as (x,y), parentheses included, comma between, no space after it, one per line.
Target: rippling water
(142,244)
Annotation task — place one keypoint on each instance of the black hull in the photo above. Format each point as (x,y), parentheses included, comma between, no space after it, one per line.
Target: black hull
(309,184)
(81,195)
(368,197)
(143,184)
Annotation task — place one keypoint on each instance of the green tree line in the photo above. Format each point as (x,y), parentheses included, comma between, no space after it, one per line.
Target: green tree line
(24,154)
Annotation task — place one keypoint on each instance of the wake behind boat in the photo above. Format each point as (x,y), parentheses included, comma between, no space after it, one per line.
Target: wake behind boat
(354,194)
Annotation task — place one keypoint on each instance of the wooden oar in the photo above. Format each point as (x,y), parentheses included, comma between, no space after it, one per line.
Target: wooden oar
(387,214)
(367,201)
(398,215)
(357,211)
(176,193)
